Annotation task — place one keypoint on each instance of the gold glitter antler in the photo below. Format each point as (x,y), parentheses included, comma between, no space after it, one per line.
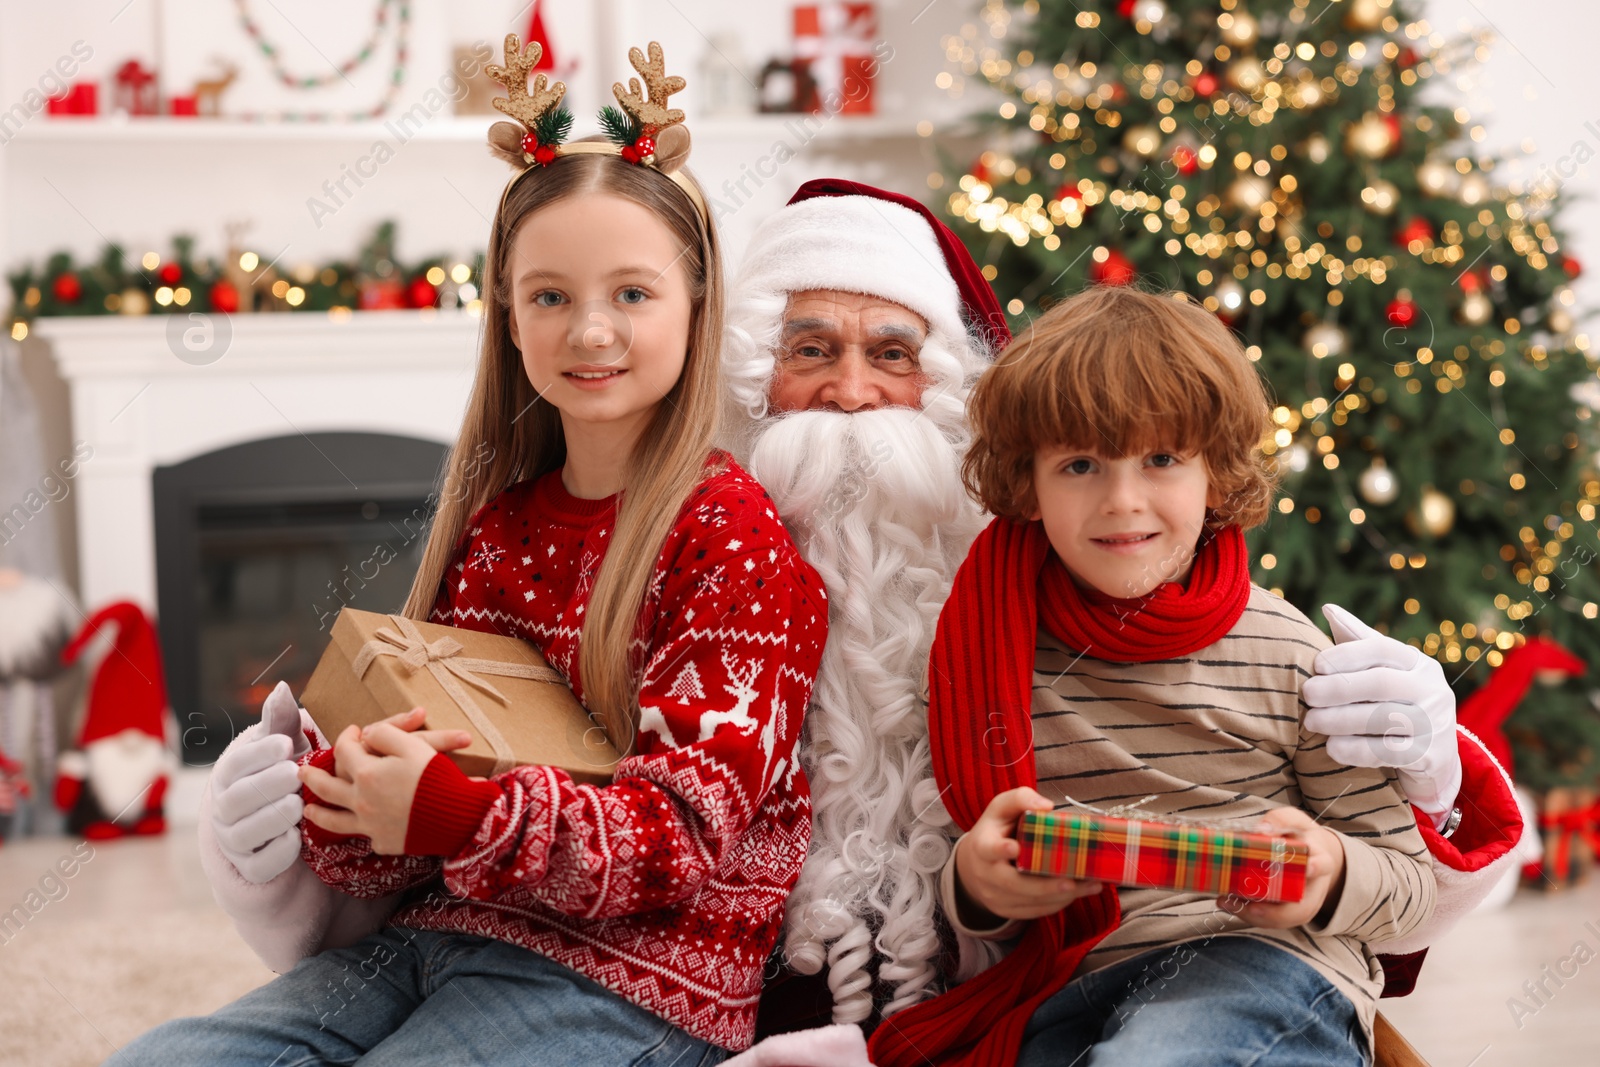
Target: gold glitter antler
(524,106)
(649,107)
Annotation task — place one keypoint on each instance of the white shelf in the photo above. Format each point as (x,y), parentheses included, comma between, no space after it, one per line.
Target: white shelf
(463,128)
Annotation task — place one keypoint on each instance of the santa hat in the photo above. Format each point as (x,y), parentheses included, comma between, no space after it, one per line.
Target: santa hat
(129,691)
(838,234)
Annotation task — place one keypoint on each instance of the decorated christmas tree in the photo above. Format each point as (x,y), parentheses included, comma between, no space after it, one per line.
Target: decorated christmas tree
(1277,160)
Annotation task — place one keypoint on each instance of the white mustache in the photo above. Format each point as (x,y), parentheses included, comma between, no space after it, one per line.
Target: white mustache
(895,462)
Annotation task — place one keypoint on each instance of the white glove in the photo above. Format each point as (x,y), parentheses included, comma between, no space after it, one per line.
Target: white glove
(1383,703)
(255,792)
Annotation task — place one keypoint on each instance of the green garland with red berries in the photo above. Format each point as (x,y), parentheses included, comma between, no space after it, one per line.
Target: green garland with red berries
(241,281)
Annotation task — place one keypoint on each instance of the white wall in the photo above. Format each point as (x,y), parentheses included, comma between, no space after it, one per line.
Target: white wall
(1535,95)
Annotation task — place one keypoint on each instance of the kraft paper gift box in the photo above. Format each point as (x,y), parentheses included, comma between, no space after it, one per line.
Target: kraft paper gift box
(500,689)
(1088,845)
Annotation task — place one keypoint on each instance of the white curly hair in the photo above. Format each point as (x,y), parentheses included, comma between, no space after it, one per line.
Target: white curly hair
(875,502)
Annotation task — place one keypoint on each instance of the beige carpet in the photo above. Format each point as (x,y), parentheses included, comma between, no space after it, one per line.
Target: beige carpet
(135,941)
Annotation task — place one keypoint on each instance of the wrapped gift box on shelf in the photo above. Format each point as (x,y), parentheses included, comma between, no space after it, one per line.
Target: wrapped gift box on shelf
(500,689)
(837,39)
(1569,827)
(1082,844)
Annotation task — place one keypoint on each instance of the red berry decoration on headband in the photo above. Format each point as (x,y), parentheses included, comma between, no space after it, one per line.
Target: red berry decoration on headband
(544,155)
(530,143)
(630,153)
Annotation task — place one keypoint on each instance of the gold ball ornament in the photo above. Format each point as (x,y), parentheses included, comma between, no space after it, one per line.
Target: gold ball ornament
(1325,339)
(1246,75)
(1365,16)
(1249,191)
(1370,137)
(1316,148)
(1381,197)
(1434,514)
(1240,30)
(1476,309)
(134,302)
(1378,484)
(1436,177)
(1474,189)
(1150,11)
(1230,297)
(1142,141)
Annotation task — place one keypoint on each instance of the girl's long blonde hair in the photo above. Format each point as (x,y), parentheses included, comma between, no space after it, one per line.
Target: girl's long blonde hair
(510,433)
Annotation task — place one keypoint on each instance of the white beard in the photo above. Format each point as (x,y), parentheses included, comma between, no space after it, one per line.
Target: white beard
(876,504)
(35,624)
(121,768)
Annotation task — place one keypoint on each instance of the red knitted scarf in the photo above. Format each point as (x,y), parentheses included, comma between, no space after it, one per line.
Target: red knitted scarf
(980,692)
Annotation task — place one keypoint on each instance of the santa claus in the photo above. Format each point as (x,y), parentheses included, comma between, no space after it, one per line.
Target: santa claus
(114,782)
(856,328)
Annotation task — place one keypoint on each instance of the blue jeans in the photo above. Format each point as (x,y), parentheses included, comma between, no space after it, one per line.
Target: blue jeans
(406,996)
(1221,1002)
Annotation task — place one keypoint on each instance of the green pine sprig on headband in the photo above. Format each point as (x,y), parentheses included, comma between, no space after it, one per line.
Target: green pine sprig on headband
(553,126)
(620,128)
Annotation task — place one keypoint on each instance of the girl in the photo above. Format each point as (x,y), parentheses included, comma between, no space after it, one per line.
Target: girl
(628,923)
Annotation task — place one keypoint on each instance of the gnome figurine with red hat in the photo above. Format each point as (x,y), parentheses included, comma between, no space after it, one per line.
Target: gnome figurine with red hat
(116,779)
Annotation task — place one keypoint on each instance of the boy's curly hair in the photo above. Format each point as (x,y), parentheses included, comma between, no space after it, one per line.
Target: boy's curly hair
(1116,371)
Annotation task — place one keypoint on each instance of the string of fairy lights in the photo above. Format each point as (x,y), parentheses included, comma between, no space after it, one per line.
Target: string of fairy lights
(1253,227)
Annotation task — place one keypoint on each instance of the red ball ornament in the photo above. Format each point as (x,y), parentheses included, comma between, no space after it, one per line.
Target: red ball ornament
(1473,282)
(421,293)
(67,288)
(1115,269)
(544,155)
(645,146)
(1119,92)
(170,273)
(1571,266)
(1069,191)
(1401,313)
(1125,8)
(1205,84)
(980,172)
(384,295)
(1391,122)
(530,143)
(224,298)
(1186,159)
(1418,229)
(1407,58)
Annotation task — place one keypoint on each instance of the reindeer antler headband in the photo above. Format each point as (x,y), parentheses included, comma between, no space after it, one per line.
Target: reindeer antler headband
(645,131)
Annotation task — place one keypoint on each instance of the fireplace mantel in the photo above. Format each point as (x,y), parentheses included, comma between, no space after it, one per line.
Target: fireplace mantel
(138,406)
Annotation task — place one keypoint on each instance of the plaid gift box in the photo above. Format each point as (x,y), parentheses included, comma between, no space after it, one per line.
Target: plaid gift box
(1087,845)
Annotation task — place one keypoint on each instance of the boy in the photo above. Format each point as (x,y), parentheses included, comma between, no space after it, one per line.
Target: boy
(1103,642)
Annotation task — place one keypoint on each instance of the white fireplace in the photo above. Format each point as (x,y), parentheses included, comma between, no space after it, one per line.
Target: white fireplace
(137,405)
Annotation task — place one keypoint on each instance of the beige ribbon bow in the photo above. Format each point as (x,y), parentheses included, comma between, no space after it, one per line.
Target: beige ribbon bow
(443,659)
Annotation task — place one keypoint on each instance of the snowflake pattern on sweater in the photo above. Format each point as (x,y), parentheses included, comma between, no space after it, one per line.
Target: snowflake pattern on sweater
(666,886)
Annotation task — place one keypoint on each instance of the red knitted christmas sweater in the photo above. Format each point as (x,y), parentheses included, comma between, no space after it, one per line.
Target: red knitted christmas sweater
(666,886)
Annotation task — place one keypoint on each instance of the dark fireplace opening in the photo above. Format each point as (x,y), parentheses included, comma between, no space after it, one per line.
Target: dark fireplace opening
(258,546)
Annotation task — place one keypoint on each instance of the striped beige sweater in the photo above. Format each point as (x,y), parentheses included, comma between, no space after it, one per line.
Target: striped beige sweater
(1218,735)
